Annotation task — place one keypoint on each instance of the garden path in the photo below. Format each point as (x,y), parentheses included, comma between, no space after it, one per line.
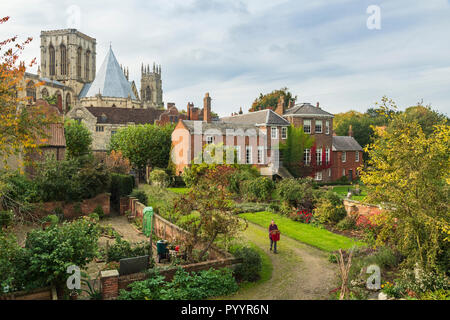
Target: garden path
(300,272)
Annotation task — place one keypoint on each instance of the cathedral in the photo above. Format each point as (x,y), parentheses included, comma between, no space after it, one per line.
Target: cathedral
(67,71)
(104,101)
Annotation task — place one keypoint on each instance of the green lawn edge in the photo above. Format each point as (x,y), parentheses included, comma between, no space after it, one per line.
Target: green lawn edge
(308,234)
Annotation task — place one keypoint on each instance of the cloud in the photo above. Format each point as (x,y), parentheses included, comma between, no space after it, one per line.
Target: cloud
(236,49)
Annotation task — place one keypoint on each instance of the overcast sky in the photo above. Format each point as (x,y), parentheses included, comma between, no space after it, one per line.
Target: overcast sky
(321,50)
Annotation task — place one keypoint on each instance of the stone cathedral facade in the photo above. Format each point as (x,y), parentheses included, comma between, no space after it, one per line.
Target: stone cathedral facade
(67,70)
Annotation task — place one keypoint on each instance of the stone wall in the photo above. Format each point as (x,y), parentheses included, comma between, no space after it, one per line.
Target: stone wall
(87,206)
(356,207)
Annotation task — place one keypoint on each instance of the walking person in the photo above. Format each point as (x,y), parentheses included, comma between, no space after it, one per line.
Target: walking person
(274,236)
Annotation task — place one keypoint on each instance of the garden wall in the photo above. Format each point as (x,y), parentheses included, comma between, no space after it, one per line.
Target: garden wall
(356,207)
(87,206)
(112,282)
(168,231)
(47,293)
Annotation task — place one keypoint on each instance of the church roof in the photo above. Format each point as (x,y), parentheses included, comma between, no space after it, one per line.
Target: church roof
(111,115)
(109,81)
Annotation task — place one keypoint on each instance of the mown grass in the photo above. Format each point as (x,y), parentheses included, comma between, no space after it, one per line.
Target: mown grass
(343,190)
(316,237)
(179,190)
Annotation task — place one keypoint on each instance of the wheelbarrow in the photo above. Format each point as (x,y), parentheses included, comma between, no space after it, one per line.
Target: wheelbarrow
(162,250)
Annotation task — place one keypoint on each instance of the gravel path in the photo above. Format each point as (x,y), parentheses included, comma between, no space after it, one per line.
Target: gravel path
(300,272)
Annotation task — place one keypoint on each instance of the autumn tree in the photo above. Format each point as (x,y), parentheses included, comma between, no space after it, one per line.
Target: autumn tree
(22,128)
(207,212)
(409,172)
(117,163)
(270,100)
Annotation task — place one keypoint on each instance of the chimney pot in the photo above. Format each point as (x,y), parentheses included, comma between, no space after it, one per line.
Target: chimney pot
(318,105)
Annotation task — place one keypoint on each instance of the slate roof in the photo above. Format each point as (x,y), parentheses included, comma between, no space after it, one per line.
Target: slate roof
(345,143)
(216,125)
(109,81)
(306,109)
(111,115)
(262,117)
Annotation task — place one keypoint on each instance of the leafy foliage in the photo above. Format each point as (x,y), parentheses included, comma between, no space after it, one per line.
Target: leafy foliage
(123,249)
(117,163)
(297,193)
(159,177)
(121,186)
(258,189)
(329,209)
(251,266)
(144,145)
(297,141)
(78,139)
(410,171)
(270,100)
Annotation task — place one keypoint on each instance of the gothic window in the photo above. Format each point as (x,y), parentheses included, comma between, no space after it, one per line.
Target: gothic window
(44,93)
(63,60)
(79,62)
(51,52)
(68,102)
(31,91)
(148,94)
(86,64)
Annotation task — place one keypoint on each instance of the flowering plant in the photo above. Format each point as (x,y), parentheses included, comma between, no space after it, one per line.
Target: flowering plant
(304,215)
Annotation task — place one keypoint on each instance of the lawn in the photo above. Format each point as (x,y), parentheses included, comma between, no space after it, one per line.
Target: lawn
(316,237)
(343,190)
(179,190)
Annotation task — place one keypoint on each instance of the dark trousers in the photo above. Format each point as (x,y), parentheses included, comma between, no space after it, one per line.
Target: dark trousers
(274,244)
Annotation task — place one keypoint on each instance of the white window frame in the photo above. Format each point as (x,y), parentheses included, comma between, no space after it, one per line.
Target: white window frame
(284,132)
(307,123)
(307,156)
(327,155)
(356,156)
(248,153)
(260,155)
(327,127)
(318,176)
(329,172)
(238,154)
(272,131)
(99,128)
(319,156)
(209,139)
(316,123)
(344,156)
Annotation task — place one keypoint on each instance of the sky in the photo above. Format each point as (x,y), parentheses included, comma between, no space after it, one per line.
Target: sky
(323,51)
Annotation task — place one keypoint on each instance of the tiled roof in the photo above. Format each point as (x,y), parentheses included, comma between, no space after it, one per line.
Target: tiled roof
(306,109)
(110,80)
(345,143)
(111,115)
(216,125)
(55,135)
(267,117)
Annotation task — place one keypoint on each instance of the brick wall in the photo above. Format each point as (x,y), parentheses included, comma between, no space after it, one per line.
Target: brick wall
(350,164)
(356,207)
(87,206)
(46,293)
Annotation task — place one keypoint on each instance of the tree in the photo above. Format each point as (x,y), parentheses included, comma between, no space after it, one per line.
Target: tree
(22,129)
(293,149)
(78,139)
(270,100)
(117,163)
(207,212)
(144,145)
(410,172)
(426,117)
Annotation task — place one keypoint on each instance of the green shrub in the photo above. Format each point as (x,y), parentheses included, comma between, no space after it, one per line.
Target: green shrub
(60,213)
(330,209)
(122,249)
(241,175)
(440,294)
(140,195)
(52,218)
(6,218)
(121,185)
(94,216)
(142,290)
(99,211)
(245,207)
(159,177)
(348,223)
(297,193)
(258,189)
(273,207)
(251,266)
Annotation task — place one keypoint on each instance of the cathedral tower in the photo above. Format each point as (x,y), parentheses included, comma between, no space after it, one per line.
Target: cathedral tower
(151,86)
(68,56)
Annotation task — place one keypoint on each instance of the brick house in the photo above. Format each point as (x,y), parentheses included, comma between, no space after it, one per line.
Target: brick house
(253,136)
(347,157)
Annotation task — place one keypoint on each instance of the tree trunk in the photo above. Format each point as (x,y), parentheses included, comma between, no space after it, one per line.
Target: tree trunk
(208,246)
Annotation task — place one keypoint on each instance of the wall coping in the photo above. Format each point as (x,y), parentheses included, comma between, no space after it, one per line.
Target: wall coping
(109,273)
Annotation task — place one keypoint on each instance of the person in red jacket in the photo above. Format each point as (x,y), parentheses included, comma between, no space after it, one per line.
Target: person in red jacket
(273,230)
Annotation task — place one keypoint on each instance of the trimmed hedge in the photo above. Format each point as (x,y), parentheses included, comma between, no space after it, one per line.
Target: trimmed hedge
(121,185)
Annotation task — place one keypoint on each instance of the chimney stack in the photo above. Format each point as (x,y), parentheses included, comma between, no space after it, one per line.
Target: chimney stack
(318,105)
(280,106)
(207,108)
